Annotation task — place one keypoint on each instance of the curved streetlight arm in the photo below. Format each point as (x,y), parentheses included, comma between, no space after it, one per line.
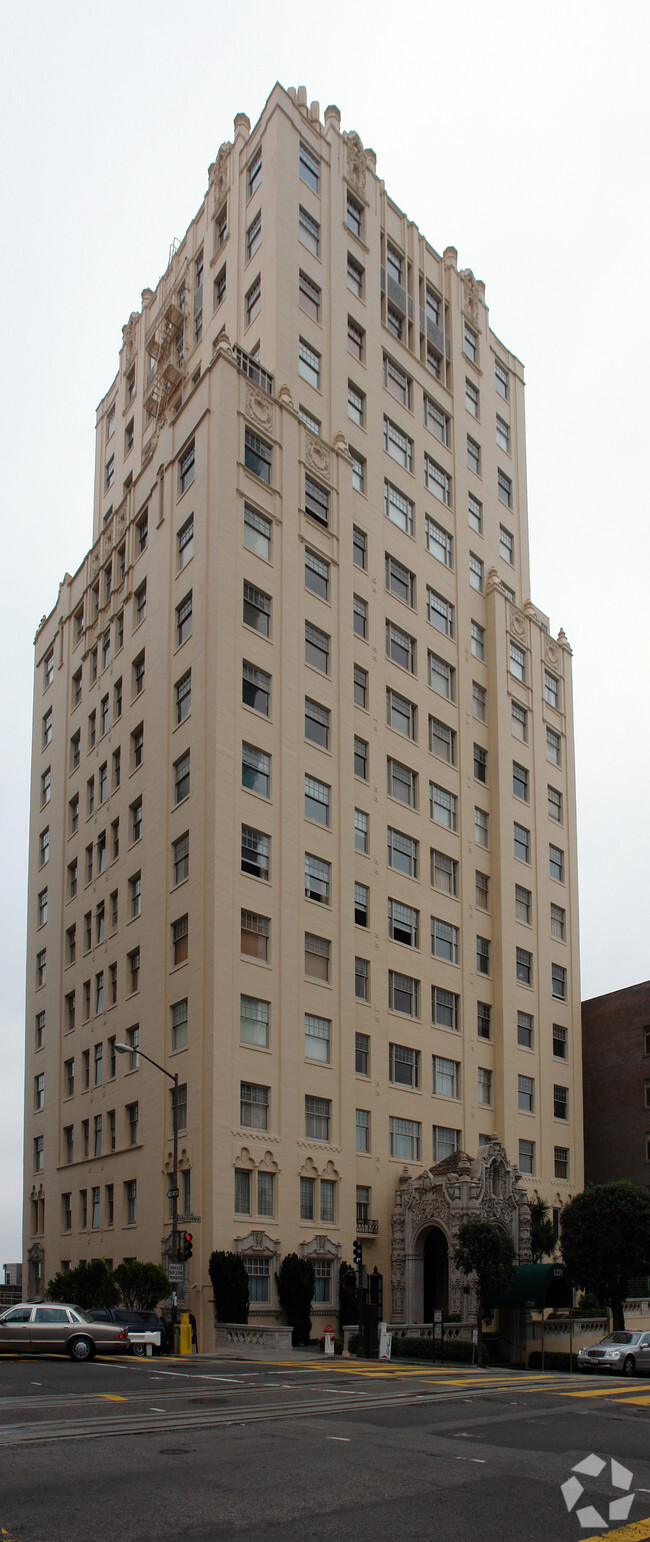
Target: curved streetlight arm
(134,1049)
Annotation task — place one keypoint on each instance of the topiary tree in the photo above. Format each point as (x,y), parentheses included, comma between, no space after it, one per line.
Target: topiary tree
(295,1283)
(348,1298)
(605,1239)
(227,1272)
(141,1285)
(90,1284)
(543,1240)
(487,1252)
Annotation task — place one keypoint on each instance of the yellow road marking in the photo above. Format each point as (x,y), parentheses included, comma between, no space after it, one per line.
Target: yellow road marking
(637,1531)
(642,1400)
(596,1392)
(112,1397)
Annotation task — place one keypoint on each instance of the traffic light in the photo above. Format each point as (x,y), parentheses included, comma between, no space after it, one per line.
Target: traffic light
(357,1252)
(186,1246)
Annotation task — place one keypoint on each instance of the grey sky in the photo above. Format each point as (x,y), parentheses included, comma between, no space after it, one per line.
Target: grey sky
(515,132)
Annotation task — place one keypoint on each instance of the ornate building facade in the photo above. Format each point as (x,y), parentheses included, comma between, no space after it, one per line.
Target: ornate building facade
(303,810)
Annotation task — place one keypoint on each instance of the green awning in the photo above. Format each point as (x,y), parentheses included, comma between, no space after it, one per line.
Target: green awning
(535,1286)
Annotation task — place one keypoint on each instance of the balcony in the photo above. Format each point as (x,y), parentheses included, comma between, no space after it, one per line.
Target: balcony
(367,1228)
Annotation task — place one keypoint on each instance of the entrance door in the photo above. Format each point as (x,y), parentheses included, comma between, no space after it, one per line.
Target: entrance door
(435,1283)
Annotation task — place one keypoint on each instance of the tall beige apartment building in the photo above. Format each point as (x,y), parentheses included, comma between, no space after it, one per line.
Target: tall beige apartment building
(303,810)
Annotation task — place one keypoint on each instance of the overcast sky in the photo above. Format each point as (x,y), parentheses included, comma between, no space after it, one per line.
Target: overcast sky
(516,132)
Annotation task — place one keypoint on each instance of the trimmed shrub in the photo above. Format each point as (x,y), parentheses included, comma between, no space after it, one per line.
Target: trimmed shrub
(295,1282)
(229,1278)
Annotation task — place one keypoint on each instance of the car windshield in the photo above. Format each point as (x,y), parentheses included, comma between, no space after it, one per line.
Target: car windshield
(620,1338)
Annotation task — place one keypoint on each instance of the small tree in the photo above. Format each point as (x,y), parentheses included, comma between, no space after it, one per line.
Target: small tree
(295,1283)
(141,1285)
(488,1253)
(605,1240)
(227,1272)
(543,1240)
(348,1302)
(90,1284)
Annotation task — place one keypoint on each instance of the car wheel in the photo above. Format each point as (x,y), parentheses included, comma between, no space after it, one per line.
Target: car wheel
(139,1349)
(81,1349)
(629,1365)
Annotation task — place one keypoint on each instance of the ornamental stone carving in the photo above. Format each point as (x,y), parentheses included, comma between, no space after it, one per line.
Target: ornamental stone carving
(219,174)
(259,407)
(130,337)
(517,623)
(470,295)
(356,164)
(552,653)
(318,456)
(441,1198)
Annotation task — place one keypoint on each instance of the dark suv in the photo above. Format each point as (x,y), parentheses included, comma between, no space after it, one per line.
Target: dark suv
(135,1322)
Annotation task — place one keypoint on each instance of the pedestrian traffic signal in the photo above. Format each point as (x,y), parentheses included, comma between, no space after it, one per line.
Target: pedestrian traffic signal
(357,1252)
(186,1245)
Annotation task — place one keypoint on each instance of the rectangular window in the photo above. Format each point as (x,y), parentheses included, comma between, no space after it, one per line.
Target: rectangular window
(445,1142)
(257,609)
(525,1094)
(180,941)
(553,747)
(317,800)
(362,1129)
(179,1019)
(502,379)
(558,982)
(309,296)
(403,1066)
(480,763)
(257,456)
(483,1020)
(354,215)
(398,508)
(254,173)
(404,1139)
(317,879)
(504,488)
(317,1118)
(182,778)
(561,1155)
(356,404)
(184,620)
(257,532)
(400,647)
(485,1086)
(254,1019)
(524,1030)
(527,1156)
(317,648)
(444,941)
(442,677)
(558,922)
(523,904)
(255,852)
(403,993)
(308,230)
(443,806)
(482,955)
(317,1038)
(401,782)
(398,444)
(440,613)
(401,714)
(561,1102)
(181,858)
(360,830)
(308,365)
(360,686)
(522,843)
(355,276)
(318,952)
(359,616)
(253,236)
(519,721)
(361,758)
(256,770)
(256,688)
(361,983)
(445,1008)
(359,547)
(402,852)
(317,723)
(361,898)
(559,1042)
(442,741)
(242,1192)
(475,572)
(403,923)
(524,966)
(437,481)
(185,544)
(317,574)
(556,863)
(255,935)
(444,873)
(555,804)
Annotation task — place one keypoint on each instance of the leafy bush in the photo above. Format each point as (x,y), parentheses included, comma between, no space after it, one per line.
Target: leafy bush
(295,1282)
(141,1285)
(227,1272)
(90,1284)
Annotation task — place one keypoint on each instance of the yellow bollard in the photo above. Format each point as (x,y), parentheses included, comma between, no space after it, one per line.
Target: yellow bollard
(185,1336)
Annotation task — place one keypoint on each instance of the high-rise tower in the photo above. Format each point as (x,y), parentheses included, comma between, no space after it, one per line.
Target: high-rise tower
(303,810)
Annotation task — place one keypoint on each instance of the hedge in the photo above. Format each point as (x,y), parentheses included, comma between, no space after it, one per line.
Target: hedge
(420,1348)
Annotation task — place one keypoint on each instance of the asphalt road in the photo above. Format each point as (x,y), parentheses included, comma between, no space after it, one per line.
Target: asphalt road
(300,1450)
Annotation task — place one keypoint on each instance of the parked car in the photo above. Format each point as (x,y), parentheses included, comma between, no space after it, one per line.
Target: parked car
(143,1327)
(57,1330)
(623,1351)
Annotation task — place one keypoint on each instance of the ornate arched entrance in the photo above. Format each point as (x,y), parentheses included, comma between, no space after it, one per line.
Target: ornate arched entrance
(430,1208)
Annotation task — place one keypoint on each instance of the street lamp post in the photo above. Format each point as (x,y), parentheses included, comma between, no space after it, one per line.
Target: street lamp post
(128,1049)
